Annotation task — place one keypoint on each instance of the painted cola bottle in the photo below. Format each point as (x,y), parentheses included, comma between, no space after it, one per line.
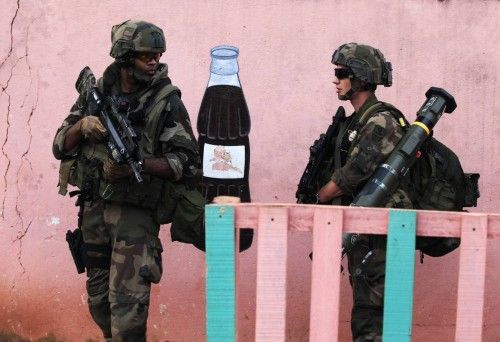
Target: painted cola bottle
(223,127)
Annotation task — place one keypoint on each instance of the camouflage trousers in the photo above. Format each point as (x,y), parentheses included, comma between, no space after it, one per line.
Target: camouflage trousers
(123,259)
(366,263)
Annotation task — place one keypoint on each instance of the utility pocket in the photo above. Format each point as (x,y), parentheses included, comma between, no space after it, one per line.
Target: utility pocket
(152,266)
(188,219)
(439,195)
(67,175)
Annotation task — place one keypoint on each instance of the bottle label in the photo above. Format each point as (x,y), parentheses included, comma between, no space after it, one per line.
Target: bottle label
(224,162)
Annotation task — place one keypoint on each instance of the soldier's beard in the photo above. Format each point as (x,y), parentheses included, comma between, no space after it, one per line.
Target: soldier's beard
(139,75)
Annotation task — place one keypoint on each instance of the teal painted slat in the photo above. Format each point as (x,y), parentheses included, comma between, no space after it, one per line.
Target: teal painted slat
(220,282)
(400,265)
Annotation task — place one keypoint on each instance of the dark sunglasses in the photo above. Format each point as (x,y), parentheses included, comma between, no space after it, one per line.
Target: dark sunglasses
(146,57)
(342,73)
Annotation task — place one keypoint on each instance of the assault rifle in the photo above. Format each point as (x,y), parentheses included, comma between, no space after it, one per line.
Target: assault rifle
(122,139)
(320,152)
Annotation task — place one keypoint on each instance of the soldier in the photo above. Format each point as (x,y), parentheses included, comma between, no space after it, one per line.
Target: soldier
(120,223)
(365,140)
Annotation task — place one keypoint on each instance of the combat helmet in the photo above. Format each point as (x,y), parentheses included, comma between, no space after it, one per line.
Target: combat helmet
(366,63)
(133,36)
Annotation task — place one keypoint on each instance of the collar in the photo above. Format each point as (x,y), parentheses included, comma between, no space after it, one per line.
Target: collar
(111,77)
(370,101)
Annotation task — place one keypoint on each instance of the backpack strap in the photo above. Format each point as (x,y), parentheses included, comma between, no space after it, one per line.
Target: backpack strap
(384,106)
(161,99)
(367,114)
(164,92)
(379,106)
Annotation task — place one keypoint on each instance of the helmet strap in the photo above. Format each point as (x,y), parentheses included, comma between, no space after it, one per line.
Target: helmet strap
(347,96)
(356,85)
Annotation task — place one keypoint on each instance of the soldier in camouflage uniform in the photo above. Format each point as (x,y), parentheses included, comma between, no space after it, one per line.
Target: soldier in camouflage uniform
(120,222)
(365,140)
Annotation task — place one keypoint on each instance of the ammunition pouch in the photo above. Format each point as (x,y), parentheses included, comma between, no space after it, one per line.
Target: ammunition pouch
(66,175)
(89,170)
(146,195)
(85,174)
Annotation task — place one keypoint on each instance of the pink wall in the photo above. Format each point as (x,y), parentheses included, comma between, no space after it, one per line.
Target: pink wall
(286,76)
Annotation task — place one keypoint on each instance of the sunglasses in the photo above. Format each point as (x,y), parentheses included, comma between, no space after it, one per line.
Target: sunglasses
(342,73)
(146,57)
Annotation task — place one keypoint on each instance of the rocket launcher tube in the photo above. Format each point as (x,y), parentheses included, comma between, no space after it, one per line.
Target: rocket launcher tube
(387,176)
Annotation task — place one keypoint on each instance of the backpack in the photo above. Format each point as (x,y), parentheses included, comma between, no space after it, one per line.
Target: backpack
(437,182)
(443,186)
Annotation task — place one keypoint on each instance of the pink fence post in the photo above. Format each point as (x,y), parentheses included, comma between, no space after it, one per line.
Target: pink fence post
(271,274)
(325,286)
(471,279)
(273,221)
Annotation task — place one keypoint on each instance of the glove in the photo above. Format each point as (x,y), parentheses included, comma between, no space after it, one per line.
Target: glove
(114,172)
(92,128)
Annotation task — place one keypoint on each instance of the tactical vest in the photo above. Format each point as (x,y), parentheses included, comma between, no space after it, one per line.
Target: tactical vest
(344,143)
(85,171)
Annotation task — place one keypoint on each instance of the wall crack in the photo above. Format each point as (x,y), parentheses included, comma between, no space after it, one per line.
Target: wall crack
(11,44)
(4,90)
(6,156)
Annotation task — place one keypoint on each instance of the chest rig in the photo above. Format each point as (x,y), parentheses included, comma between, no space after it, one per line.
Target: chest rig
(147,111)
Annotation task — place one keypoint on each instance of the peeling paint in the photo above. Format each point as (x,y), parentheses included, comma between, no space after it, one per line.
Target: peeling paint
(53,221)
(83,298)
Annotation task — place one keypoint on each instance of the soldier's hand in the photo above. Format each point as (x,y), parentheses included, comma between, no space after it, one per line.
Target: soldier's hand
(92,128)
(114,172)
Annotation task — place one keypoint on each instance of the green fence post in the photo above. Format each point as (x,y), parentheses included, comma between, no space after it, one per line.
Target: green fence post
(220,282)
(400,266)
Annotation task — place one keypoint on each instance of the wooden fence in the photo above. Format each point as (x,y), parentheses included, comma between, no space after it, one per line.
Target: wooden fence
(327,223)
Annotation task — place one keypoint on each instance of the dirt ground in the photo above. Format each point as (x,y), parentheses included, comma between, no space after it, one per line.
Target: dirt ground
(11,337)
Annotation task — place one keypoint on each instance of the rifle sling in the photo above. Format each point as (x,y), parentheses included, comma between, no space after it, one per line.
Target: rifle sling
(343,125)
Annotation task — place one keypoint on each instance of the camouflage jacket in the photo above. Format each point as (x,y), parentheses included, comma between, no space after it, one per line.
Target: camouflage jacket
(174,140)
(371,146)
